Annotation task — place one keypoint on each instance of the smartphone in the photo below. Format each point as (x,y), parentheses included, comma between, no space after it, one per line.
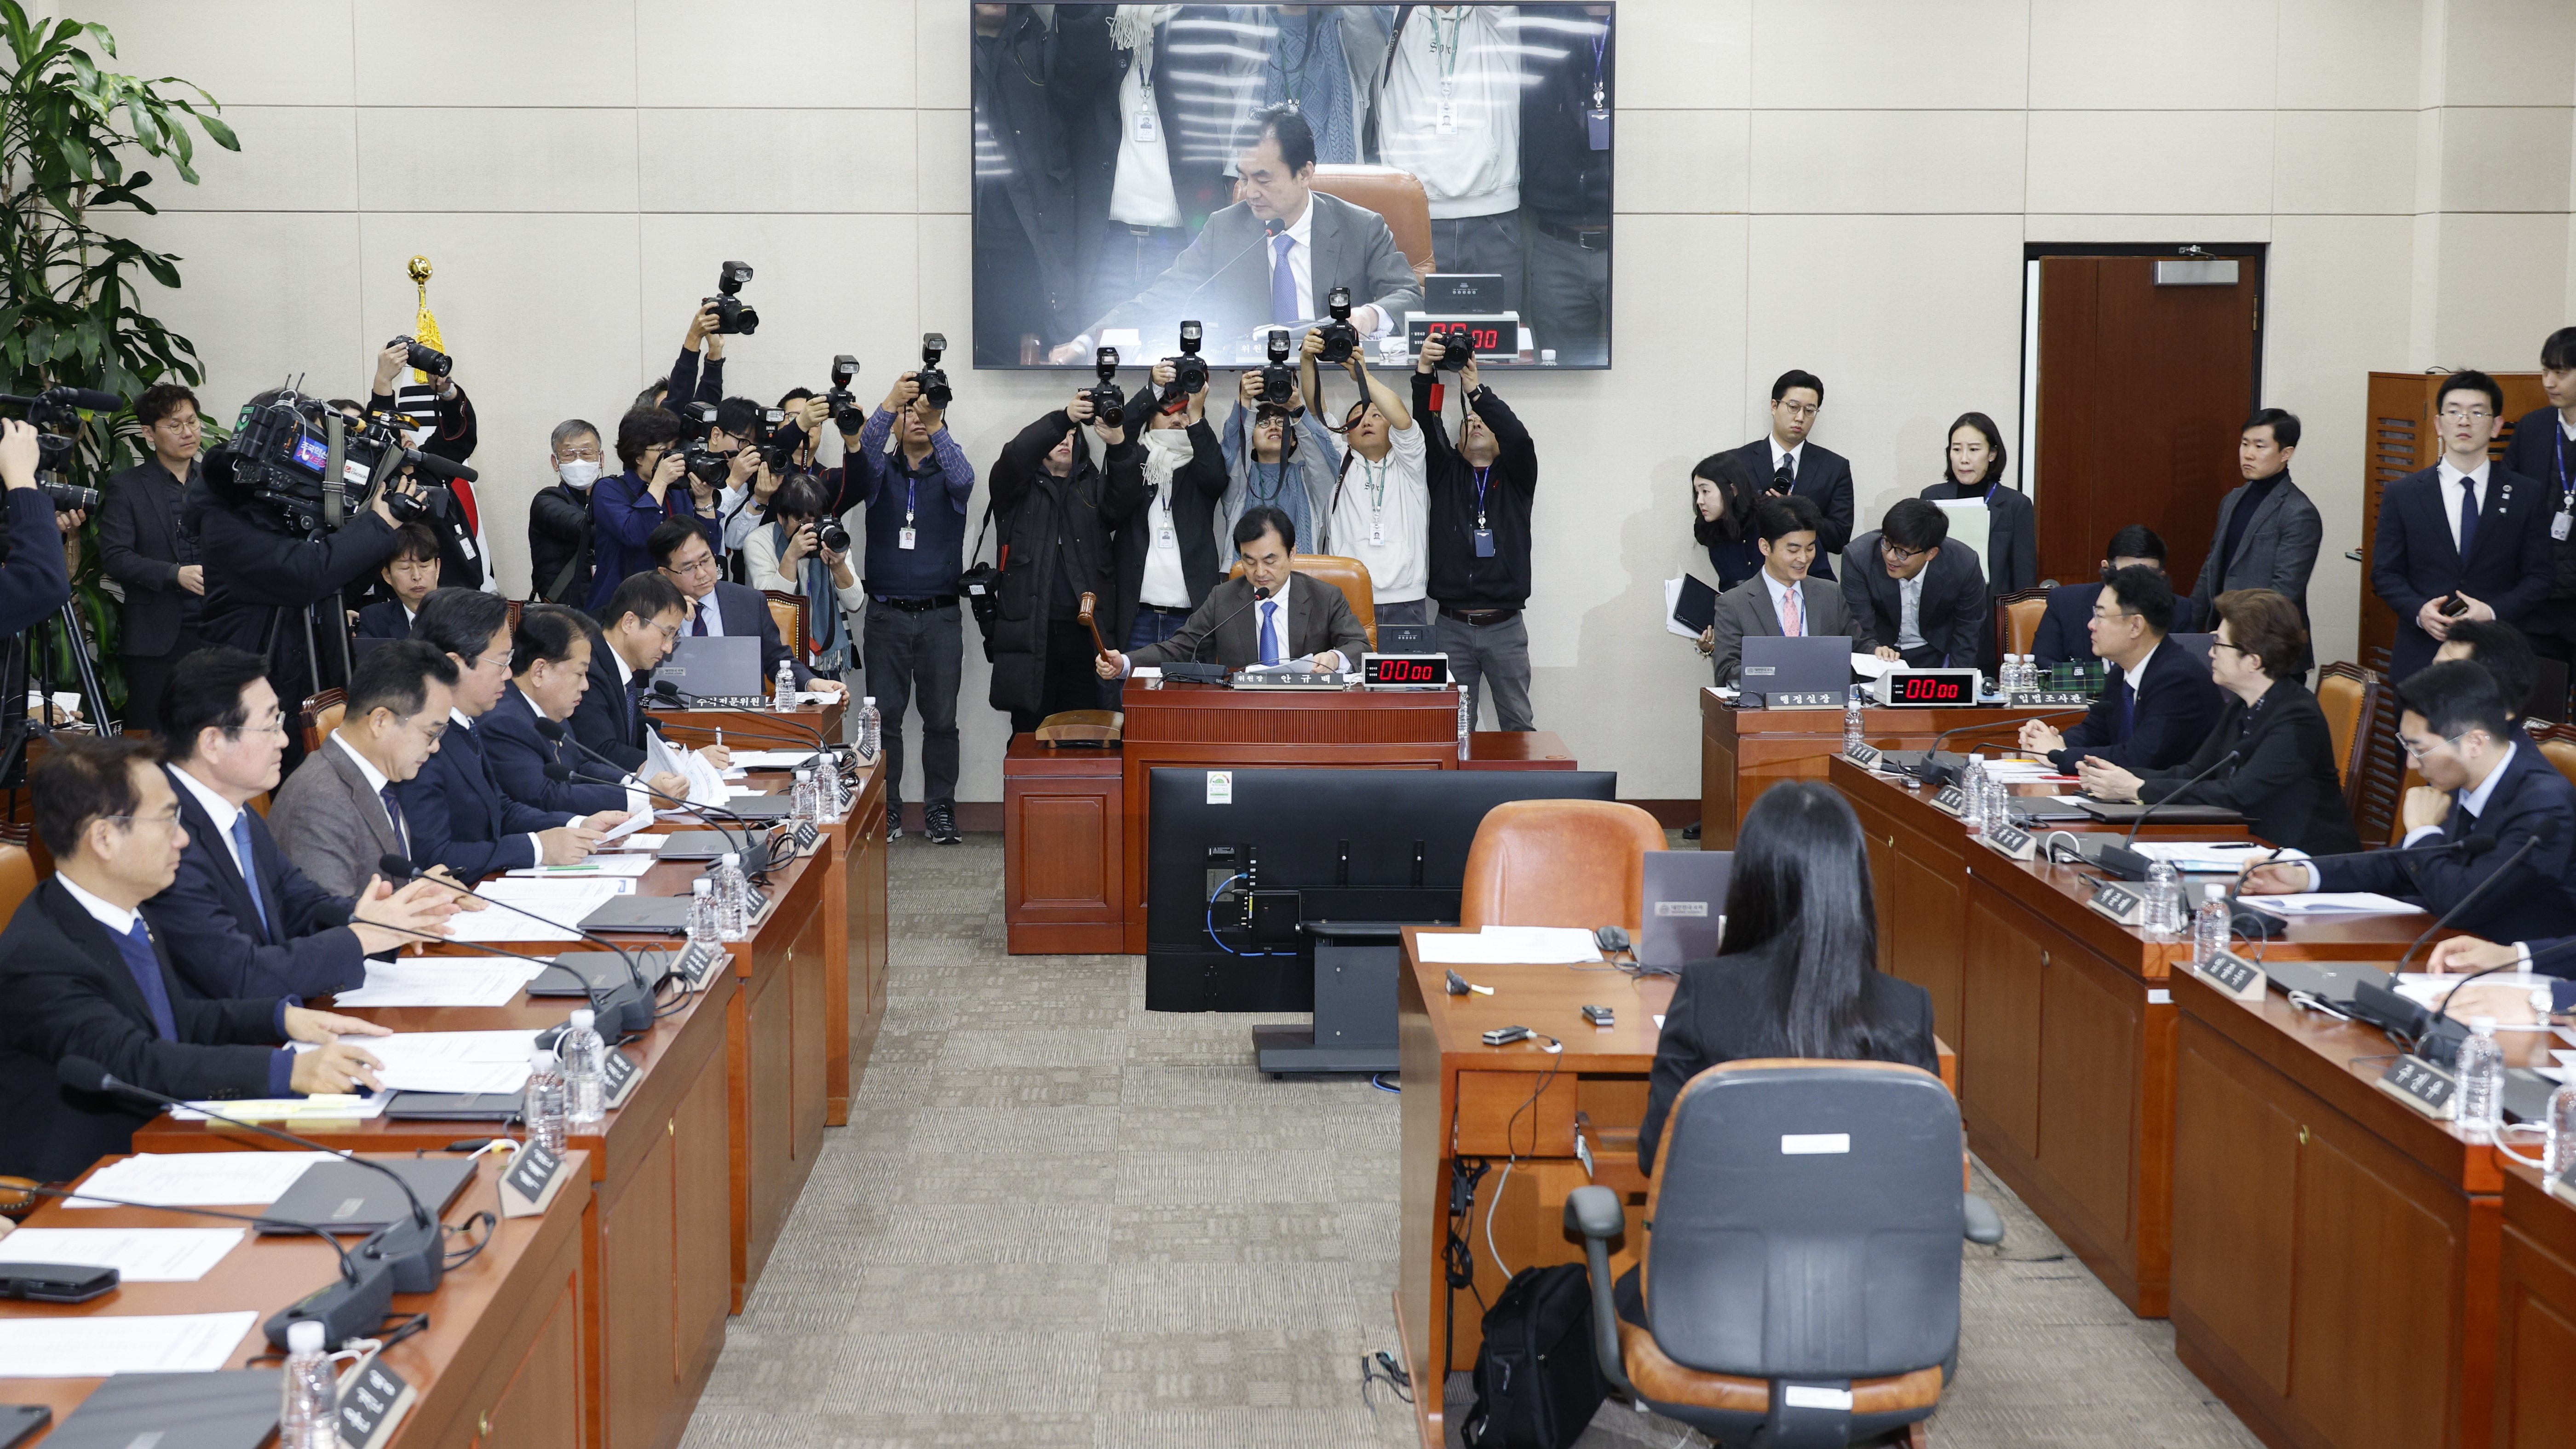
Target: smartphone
(1506,1035)
(2454,606)
(19,1423)
(1599,1016)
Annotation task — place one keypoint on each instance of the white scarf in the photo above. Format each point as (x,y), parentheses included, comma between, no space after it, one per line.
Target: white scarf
(1166,449)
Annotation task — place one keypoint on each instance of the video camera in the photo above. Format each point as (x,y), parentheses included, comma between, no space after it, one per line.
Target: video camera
(1278,379)
(1108,404)
(847,415)
(289,450)
(1189,371)
(934,383)
(731,313)
(1341,339)
(55,414)
(421,357)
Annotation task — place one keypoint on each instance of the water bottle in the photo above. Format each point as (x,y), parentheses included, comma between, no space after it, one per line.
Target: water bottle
(547,1101)
(2481,1077)
(871,728)
(705,929)
(733,898)
(1466,720)
(1855,726)
(1972,786)
(2164,918)
(2209,928)
(308,1409)
(1998,801)
(2558,1148)
(585,1089)
(784,697)
(801,802)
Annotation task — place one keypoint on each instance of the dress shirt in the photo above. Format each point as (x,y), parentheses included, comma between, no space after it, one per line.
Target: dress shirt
(708,613)
(1780,596)
(2134,677)
(223,813)
(2473,800)
(118,920)
(1795,455)
(1909,610)
(2453,481)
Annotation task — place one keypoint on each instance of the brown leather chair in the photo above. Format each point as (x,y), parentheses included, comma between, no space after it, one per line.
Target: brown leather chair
(2017,617)
(2558,746)
(2348,693)
(1559,863)
(787,611)
(516,607)
(1346,574)
(320,715)
(18,877)
(1393,194)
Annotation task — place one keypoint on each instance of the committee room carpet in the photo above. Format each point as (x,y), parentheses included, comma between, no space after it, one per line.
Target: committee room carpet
(1058,1219)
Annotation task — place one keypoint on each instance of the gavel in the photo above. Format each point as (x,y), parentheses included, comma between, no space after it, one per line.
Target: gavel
(1088,622)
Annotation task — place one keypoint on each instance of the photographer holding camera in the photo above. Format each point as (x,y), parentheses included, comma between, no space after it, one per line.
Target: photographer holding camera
(799,549)
(437,417)
(1058,513)
(1482,490)
(1277,455)
(625,510)
(1167,556)
(34,580)
(1382,515)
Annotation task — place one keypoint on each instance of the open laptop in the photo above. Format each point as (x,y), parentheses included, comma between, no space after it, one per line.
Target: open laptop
(1819,664)
(715,668)
(1684,907)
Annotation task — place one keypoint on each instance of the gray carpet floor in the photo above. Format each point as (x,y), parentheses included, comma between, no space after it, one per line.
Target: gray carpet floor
(1058,1219)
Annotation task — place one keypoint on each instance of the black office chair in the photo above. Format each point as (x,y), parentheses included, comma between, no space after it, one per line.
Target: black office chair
(1802,1279)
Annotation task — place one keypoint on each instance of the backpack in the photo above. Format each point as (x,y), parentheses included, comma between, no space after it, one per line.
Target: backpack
(1537,1383)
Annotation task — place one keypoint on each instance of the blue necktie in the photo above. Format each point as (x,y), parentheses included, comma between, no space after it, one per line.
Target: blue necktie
(250,873)
(1283,282)
(2468,518)
(136,947)
(393,812)
(2128,707)
(1270,632)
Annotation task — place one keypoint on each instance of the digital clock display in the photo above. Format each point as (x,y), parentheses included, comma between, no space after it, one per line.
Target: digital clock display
(1404,671)
(1932,689)
(1476,338)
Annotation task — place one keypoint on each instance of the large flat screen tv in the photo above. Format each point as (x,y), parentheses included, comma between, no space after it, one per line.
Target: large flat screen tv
(1139,166)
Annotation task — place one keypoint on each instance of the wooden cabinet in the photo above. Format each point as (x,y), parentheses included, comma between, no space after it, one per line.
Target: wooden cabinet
(1064,852)
(540,1406)
(775,1035)
(664,1280)
(2535,1379)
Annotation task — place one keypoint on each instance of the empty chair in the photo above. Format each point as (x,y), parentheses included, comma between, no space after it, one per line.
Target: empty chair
(1558,863)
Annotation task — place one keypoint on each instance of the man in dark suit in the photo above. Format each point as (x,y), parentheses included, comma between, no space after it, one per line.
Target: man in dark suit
(240,919)
(457,814)
(2158,702)
(85,975)
(637,628)
(1297,618)
(1780,601)
(715,606)
(1786,463)
(2066,629)
(144,547)
(2464,539)
(409,577)
(2479,781)
(2268,530)
(1913,594)
(550,672)
(2543,446)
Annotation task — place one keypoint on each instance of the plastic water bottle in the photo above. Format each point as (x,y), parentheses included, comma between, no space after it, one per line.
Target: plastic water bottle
(733,898)
(705,929)
(784,697)
(2558,1149)
(871,728)
(2481,1067)
(2209,928)
(308,1409)
(585,1088)
(1972,786)
(1855,725)
(1466,720)
(1998,802)
(2164,915)
(547,1101)
(802,804)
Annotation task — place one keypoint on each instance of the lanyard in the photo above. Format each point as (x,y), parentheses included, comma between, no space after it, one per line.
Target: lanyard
(1278,481)
(1600,43)
(1480,494)
(2560,443)
(910,483)
(1449,54)
(1376,485)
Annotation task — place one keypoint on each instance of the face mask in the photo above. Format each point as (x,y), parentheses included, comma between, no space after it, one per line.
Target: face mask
(580,473)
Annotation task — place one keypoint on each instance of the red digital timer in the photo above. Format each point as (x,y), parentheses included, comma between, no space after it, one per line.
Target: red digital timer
(1479,339)
(1404,671)
(1930,687)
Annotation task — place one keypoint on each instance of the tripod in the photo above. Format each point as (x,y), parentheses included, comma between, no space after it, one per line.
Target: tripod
(32,652)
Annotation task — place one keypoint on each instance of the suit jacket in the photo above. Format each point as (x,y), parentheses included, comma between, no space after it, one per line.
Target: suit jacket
(2539,450)
(142,546)
(332,824)
(70,994)
(2413,558)
(2284,780)
(2012,534)
(2177,706)
(1952,615)
(2278,551)
(746,614)
(298,945)
(1319,618)
(2535,903)
(2065,630)
(459,816)
(1825,477)
(607,719)
(1746,609)
(384,619)
(1224,276)
(519,754)
(1736,1008)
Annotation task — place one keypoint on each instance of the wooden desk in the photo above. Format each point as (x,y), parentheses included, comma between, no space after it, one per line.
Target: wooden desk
(1743,752)
(853,866)
(758,729)
(2335,1253)
(500,1360)
(2535,1350)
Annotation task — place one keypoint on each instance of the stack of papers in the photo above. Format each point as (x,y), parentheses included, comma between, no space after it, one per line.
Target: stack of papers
(291,1112)
(1509,945)
(603,863)
(440,981)
(548,910)
(2331,903)
(774,759)
(2210,857)
(199,1179)
(450,1061)
(139,1255)
(54,1347)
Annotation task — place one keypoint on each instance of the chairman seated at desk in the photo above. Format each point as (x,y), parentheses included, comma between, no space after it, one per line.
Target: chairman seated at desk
(1266,615)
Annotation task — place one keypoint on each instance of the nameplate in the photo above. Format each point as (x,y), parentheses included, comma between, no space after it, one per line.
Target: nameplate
(758,702)
(2234,975)
(535,1176)
(1865,756)
(2046,698)
(618,1075)
(805,837)
(1803,699)
(2010,841)
(698,962)
(2119,903)
(1950,800)
(372,1402)
(2423,1086)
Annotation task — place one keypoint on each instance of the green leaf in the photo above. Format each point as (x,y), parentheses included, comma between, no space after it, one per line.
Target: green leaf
(222,134)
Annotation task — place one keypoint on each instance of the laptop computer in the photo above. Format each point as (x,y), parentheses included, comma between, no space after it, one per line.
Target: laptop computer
(1819,664)
(651,915)
(1684,910)
(348,1197)
(715,668)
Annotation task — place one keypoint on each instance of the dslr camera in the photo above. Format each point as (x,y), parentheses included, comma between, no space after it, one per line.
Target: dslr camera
(55,414)
(319,467)
(1189,371)
(424,358)
(934,383)
(1278,379)
(1456,343)
(834,536)
(847,415)
(732,315)
(1341,339)
(1108,404)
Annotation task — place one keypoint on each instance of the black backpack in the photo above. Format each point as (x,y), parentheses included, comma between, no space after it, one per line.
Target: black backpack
(1537,1383)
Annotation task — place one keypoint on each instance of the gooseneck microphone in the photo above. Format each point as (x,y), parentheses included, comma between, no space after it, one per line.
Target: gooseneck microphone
(629,1015)
(2124,863)
(2435,1035)
(1928,766)
(416,1250)
(2257,924)
(557,770)
(1190,670)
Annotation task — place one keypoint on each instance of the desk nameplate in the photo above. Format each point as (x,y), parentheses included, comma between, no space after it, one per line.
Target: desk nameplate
(2119,903)
(1950,800)
(2047,699)
(2233,975)
(2010,841)
(1865,756)
(2423,1086)
(1802,699)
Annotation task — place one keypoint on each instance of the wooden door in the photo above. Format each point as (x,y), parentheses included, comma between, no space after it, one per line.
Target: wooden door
(2142,392)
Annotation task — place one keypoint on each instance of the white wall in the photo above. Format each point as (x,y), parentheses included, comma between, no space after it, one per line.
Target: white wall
(1839,185)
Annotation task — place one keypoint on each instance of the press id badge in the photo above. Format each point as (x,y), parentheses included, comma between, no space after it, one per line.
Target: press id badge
(1377,534)
(1444,120)
(1144,122)
(1596,124)
(1165,537)
(1484,542)
(2558,526)
(903,538)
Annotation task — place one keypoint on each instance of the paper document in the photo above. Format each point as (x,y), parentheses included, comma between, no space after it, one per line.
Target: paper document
(547,910)
(632,847)
(1509,945)
(635,821)
(775,759)
(287,1111)
(450,1061)
(1870,666)
(201,1179)
(139,1255)
(603,863)
(448,982)
(2206,857)
(2330,903)
(53,1347)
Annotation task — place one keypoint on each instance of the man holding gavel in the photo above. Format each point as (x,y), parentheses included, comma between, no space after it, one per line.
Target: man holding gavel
(1264,616)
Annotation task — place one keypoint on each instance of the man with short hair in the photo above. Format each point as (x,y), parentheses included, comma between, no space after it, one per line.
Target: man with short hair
(2268,530)
(549,674)
(146,544)
(2478,782)
(1483,493)
(2065,629)
(1381,513)
(1783,601)
(339,813)
(1915,595)
(719,608)
(2157,704)
(1795,465)
(1266,616)
(409,576)
(641,622)
(240,919)
(915,482)
(2464,539)
(559,547)
(2543,447)
(457,813)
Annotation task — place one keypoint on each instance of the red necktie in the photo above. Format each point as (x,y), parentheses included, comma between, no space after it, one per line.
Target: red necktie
(1794,624)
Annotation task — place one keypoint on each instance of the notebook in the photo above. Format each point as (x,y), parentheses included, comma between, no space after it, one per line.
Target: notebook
(345,1196)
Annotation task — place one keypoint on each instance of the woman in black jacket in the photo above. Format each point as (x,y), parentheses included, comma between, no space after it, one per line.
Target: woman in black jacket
(1973,467)
(1722,500)
(2283,780)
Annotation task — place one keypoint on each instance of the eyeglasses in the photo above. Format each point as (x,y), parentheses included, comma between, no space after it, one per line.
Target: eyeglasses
(1897,555)
(273,725)
(168,820)
(2471,414)
(2417,752)
(2222,644)
(704,564)
(1798,410)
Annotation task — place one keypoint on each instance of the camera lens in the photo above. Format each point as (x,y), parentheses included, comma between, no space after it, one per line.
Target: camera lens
(834,537)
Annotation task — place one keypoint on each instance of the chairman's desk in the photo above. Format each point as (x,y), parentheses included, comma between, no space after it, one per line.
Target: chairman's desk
(499,1362)
(1743,752)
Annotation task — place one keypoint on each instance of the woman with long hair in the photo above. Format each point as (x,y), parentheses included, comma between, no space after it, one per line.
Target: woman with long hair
(1972,466)
(1722,500)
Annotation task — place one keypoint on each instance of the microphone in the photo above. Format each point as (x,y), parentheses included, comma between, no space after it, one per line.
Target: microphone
(2385,1009)
(416,1251)
(2122,863)
(746,850)
(2256,924)
(629,1015)
(445,470)
(1928,766)
(665,689)
(1191,670)
(607,1008)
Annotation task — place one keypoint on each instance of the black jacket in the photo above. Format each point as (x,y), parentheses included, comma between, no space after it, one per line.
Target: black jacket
(70,994)
(1458,577)
(1056,537)
(1736,1008)
(34,578)
(1825,477)
(2539,450)
(254,565)
(559,535)
(1196,487)
(1952,614)
(607,719)
(384,619)
(2532,799)
(1564,181)
(2177,705)
(2284,780)
(518,755)
(458,817)
(1019,104)
(2413,558)
(297,946)
(142,546)
(1187,65)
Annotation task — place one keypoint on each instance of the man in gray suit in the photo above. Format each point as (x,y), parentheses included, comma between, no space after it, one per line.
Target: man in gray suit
(338,814)
(1265,616)
(1780,601)
(2268,531)
(1272,258)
